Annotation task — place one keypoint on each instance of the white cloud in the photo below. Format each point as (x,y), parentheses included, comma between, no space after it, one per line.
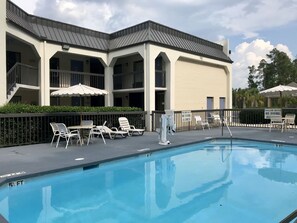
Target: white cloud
(209,19)
(249,17)
(28,6)
(248,54)
(254,158)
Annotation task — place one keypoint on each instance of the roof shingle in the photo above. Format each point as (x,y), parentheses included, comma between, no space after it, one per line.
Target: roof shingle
(148,31)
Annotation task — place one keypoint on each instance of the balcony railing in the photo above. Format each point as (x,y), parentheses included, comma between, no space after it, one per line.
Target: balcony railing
(65,78)
(128,80)
(22,74)
(135,80)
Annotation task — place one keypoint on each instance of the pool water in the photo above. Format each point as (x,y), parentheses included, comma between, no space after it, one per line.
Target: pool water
(207,182)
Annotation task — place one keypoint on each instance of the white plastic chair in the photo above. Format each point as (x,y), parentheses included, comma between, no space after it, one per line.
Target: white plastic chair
(216,119)
(55,130)
(65,133)
(277,121)
(86,122)
(97,130)
(113,132)
(201,122)
(130,129)
(289,121)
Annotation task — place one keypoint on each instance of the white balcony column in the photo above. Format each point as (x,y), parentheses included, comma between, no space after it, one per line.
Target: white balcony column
(170,82)
(3,89)
(229,85)
(149,85)
(44,75)
(108,83)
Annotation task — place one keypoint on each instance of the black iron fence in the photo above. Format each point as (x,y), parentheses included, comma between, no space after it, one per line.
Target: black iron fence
(253,117)
(24,129)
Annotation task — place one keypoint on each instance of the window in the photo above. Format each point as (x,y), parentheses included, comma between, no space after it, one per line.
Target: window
(160,74)
(138,74)
(117,76)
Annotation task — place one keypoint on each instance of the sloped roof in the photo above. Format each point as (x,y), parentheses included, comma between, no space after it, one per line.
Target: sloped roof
(149,31)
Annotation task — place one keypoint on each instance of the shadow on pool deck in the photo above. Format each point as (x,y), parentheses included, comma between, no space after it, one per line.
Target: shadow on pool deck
(32,160)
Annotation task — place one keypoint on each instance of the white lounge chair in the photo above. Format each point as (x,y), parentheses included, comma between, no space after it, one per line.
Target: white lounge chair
(113,132)
(130,129)
(65,133)
(201,122)
(55,130)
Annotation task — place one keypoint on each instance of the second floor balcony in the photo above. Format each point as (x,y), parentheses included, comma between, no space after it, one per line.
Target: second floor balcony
(136,80)
(65,78)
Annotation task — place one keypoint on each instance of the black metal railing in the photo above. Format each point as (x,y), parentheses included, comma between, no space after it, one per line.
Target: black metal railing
(21,74)
(24,129)
(292,216)
(66,78)
(128,80)
(235,117)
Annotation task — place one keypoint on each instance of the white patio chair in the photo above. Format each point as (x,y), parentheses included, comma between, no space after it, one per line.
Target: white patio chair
(290,121)
(86,122)
(55,130)
(277,121)
(97,130)
(130,129)
(216,119)
(65,133)
(201,122)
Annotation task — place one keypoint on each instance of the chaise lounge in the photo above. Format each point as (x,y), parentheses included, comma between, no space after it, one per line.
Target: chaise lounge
(130,129)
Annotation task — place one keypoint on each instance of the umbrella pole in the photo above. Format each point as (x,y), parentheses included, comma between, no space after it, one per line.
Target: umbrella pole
(80,100)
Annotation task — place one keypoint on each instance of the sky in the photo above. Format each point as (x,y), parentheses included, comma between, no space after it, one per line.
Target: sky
(253,27)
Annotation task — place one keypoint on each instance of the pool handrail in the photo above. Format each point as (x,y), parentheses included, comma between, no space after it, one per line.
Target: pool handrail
(290,217)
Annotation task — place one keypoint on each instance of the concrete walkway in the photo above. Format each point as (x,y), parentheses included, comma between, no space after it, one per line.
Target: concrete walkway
(32,160)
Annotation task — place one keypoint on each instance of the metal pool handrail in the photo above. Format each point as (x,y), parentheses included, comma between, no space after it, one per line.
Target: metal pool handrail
(290,217)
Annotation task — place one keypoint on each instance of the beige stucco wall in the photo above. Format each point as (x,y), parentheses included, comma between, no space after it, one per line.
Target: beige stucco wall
(195,81)
(3,89)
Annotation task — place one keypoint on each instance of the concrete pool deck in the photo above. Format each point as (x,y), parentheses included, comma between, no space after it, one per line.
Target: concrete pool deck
(32,160)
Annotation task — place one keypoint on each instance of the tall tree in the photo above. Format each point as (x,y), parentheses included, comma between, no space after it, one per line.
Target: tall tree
(278,69)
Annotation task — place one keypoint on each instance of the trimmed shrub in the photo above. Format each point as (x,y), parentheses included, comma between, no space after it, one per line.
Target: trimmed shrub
(25,108)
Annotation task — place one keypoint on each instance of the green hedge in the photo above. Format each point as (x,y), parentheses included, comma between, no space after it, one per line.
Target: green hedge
(25,108)
(252,116)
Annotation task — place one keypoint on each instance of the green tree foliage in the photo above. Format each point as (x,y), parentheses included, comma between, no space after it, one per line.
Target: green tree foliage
(247,98)
(275,70)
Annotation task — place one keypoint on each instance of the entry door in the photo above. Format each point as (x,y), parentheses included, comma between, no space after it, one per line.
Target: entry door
(12,59)
(159,103)
(209,105)
(222,105)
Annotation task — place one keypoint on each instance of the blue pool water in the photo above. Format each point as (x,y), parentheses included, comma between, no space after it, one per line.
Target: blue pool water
(208,182)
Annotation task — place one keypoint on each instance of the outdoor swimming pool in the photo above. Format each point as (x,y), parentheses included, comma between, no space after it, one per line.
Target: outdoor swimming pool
(212,181)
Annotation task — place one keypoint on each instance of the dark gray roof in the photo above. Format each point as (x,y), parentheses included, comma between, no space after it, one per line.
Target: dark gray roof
(147,32)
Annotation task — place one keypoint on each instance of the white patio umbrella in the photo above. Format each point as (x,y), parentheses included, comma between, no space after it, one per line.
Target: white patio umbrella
(279,91)
(79,90)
